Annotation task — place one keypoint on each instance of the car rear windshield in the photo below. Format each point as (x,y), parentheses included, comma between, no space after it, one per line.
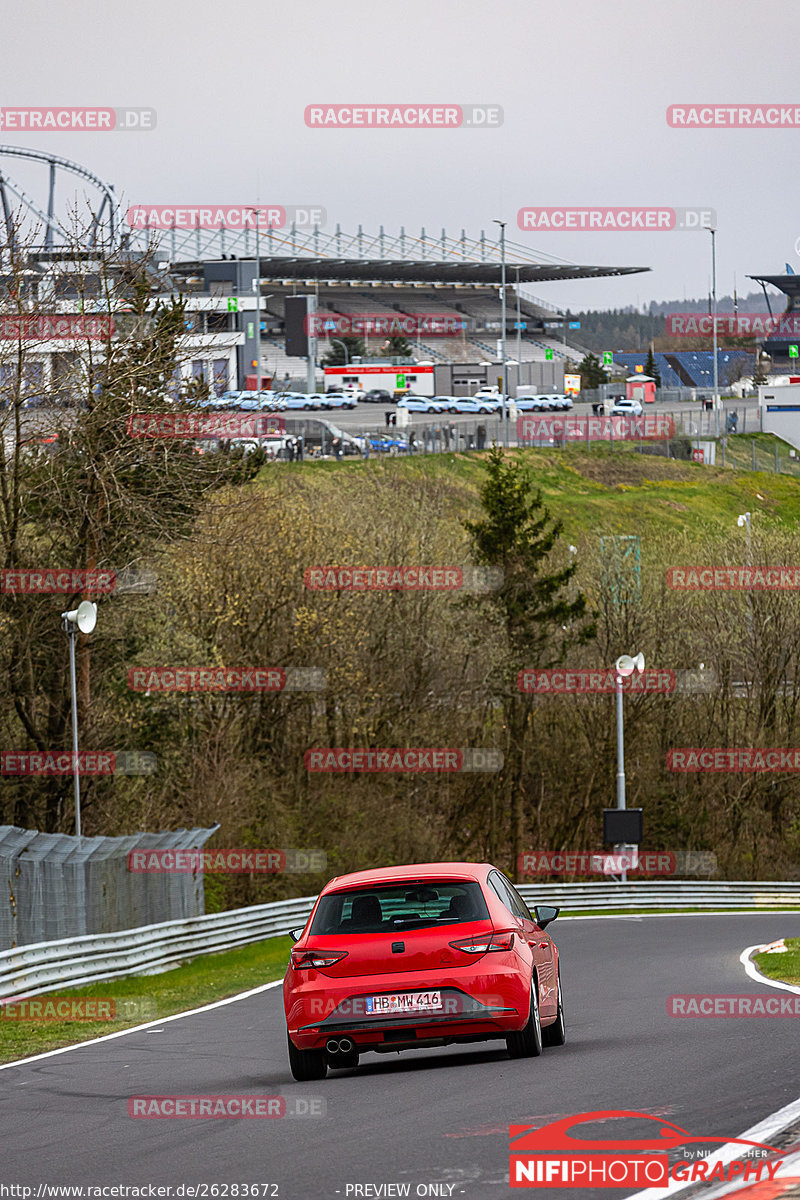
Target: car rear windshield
(400,906)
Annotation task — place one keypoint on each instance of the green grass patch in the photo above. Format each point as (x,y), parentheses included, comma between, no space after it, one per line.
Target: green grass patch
(143,998)
(784,967)
(608,491)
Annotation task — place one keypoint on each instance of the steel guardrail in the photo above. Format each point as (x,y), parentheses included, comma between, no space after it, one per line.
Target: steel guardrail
(72,962)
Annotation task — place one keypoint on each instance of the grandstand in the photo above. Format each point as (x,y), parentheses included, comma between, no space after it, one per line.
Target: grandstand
(454,277)
(692,368)
(778,346)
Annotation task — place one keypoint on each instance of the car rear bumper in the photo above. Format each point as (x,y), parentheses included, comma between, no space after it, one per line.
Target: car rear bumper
(473,1007)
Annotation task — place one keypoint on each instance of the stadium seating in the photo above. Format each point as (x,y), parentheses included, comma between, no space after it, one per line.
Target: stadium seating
(688,368)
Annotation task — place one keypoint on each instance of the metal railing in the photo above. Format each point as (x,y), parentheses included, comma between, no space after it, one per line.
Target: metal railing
(72,962)
(665,894)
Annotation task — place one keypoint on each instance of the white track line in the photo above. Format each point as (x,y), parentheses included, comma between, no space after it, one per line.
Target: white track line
(762,1132)
(754,973)
(107,1037)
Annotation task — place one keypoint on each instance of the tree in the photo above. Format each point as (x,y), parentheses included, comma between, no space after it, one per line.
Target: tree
(537,616)
(650,367)
(397,347)
(592,374)
(336,356)
(87,496)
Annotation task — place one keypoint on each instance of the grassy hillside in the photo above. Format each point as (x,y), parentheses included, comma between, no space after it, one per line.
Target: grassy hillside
(610,492)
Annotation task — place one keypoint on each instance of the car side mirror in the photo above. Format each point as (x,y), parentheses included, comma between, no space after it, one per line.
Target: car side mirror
(295,934)
(545,913)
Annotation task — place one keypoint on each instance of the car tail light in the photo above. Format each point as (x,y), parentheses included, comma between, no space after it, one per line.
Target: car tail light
(502,940)
(306,960)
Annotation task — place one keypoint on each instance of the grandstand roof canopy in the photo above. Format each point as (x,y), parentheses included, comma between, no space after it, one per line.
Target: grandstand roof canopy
(784,283)
(423,271)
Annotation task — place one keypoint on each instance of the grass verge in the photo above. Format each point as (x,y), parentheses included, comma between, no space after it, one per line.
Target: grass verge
(784,967)
(143,998)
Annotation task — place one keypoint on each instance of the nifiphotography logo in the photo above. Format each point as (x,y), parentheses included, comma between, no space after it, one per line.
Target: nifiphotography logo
(551,1157)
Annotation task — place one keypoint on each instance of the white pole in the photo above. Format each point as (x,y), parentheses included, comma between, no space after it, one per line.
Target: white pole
(713,233)
(503,385)
(75,766)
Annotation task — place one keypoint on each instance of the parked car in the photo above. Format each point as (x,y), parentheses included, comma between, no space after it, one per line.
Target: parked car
(378,396)
(532,403)
(432,954)
(301,400)
(381,444)
(423,404)
(248,401)
(627,408)
(560,402)
(226,400)
(473,404)
(340,400)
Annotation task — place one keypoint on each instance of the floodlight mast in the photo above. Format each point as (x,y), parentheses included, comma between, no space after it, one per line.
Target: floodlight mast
(84,618)
(624,667)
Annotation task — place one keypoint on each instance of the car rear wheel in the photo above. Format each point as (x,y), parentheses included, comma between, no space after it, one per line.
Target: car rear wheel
(307,1064)
(556,1034)
(452,410)
(528,1042)
(483,410)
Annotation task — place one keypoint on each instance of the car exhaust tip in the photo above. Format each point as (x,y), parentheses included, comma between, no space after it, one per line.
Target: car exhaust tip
(346,1046)
(332,1046)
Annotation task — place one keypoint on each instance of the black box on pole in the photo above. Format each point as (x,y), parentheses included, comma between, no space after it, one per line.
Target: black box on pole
(623,825)
(296,325)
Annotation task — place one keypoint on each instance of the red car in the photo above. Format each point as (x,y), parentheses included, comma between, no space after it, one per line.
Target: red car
(424,955)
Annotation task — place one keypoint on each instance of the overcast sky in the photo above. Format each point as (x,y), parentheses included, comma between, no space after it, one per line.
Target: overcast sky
(584,88)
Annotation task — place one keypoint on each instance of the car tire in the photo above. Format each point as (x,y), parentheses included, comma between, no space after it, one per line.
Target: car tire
(484,411)
(556,1034)
(452,410)
(528,1042)
(307,1065)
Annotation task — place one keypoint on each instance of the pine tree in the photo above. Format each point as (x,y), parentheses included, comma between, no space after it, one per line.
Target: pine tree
(536,610)
(650,367)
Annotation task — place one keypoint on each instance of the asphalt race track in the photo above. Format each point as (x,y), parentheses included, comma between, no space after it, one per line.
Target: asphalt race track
(428,1117)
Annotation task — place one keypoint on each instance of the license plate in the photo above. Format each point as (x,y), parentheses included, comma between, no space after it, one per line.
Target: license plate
(405,1002)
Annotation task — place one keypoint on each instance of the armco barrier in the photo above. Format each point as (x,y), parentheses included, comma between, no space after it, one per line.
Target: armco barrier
(72,962)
